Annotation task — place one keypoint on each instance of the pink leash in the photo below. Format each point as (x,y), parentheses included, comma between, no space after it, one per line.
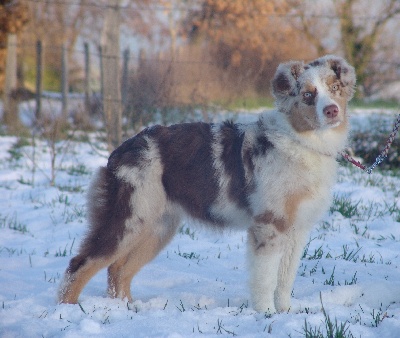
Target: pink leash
(381,156)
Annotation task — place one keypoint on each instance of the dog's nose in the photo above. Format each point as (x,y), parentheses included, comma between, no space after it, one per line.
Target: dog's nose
(331,111)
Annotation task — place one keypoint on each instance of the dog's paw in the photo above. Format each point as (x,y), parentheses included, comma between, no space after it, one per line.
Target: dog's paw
(282,302)
(264,307)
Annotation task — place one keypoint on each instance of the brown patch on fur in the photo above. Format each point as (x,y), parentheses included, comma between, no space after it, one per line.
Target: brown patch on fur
(281,83)
(188,176)
(343,127)
(76,263)
(261,237)
(291,208)
(268,217)
(337,67)
(331,81)
(296,69)
(312,92)
(76,281)
(303,118)
(114,279)
(292,205)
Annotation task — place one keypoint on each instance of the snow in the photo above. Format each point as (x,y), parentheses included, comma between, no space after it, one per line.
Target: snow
(197,286)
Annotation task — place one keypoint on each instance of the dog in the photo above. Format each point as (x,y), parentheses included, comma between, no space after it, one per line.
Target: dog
(271,177)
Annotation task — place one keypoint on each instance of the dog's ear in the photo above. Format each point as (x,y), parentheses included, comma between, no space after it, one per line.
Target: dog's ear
(285,79)
(343,71)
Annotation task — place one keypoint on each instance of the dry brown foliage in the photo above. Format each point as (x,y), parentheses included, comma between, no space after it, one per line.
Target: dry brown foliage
(249,38)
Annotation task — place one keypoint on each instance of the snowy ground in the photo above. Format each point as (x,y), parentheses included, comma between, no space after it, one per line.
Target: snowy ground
(198,285)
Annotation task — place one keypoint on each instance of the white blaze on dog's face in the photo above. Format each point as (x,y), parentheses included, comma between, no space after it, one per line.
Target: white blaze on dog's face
(314,96)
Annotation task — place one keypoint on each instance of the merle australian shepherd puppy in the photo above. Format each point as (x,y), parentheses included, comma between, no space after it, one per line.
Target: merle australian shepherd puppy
(271,177)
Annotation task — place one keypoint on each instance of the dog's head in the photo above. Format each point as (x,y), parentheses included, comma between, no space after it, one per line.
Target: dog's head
(315,95)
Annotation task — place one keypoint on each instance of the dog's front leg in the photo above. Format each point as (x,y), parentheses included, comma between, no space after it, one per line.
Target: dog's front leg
(293,249)
(264,256)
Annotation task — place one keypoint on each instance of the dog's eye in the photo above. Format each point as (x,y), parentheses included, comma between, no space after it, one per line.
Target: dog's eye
(307,95)
(335,87)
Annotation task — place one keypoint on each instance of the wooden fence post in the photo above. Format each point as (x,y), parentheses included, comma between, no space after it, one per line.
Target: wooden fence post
(101,80)
(87,79)
(64,82)
(39,67)
(11,118)
(111,74)
(125,77)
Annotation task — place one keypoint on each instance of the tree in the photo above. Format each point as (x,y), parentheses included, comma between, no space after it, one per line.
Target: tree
(360,40)
(13,18)
(362,36)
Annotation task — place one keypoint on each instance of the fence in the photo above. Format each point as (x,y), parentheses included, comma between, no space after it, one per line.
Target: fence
(149,83)
(163,85)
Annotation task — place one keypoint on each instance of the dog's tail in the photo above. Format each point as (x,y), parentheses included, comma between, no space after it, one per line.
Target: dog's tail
(108,208)
(98,197)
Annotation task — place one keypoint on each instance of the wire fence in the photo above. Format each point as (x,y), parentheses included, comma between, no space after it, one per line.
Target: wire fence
(149,84)
(169,87)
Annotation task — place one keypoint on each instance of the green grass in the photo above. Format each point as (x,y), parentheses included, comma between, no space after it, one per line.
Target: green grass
(51,76)
(70,188)
(332,329)
(247,103)
(345,206)
(188,255)
(377,104)
(12,223)
(349,255)
(255,102)
(185,230)
(15,151)
(372,319)
(78,170)
(64,253)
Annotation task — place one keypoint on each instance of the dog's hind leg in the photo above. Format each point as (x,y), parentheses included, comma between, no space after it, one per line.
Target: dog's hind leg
(91,258)
(144,247)
(80,270)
